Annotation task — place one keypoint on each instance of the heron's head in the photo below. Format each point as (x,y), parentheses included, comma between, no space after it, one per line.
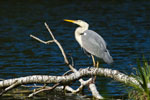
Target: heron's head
(78,22)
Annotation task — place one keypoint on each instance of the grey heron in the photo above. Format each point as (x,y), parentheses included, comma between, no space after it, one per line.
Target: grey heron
(91,41)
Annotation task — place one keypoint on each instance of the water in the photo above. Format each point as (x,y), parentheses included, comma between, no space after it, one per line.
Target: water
(125,26)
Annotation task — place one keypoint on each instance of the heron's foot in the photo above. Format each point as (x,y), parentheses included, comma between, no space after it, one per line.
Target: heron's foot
(96,64)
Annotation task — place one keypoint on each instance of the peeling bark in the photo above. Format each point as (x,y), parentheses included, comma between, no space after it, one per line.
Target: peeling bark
(116,75)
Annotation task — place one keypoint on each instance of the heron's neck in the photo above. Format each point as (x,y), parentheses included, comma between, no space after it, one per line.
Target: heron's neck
(80,30)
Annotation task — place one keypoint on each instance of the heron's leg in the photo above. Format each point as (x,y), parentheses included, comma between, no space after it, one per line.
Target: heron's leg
(97,64)
(93,60)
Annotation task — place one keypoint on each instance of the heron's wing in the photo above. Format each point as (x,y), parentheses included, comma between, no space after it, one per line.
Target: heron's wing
(87,53)
(93,43)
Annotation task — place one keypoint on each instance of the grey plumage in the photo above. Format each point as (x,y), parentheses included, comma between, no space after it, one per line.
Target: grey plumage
(94,44)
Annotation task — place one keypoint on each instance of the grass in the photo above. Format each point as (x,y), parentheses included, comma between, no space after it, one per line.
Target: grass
(142,75)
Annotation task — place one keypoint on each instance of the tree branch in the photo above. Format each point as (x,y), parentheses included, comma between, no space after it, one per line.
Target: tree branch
(94,91)
(116,75)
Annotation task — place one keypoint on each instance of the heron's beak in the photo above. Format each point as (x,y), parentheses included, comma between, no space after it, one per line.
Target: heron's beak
(67,20)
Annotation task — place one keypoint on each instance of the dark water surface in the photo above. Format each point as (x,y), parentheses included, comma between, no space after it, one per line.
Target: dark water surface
(125,26)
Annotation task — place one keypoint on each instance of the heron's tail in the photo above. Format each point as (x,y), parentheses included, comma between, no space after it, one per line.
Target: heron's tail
(108,58)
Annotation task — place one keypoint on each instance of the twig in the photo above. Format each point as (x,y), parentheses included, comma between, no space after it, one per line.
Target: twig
(67,72)
(59,45)
(49,31)
(32,86)
(36,38)
(72,61)
(10,87)
(44,89)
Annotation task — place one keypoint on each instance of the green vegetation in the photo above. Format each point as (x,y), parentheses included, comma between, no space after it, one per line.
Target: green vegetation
(141,92)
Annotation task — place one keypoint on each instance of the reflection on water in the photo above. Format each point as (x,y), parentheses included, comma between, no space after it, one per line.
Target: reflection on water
(125,25)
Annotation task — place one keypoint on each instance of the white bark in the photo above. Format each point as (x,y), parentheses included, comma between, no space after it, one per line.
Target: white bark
(94,91)
(116,75)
